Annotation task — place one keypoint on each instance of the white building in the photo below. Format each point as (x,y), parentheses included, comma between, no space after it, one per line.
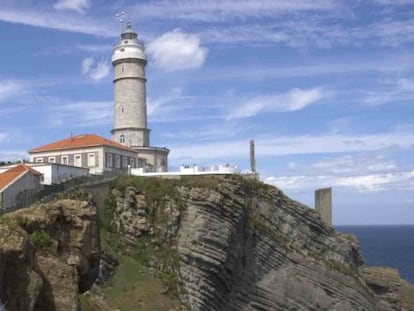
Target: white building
(16,185)
(187,170)
(53,173)
(99,155)
(130,126)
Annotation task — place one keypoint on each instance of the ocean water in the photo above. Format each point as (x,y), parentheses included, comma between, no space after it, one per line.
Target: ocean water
(391,246)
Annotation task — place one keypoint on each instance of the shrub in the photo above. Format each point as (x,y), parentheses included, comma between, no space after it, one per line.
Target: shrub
(43,241)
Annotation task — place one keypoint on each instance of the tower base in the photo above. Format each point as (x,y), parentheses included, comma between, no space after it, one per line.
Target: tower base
(156,158)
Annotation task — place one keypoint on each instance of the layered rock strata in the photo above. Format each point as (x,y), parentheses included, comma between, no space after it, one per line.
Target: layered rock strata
(243,245)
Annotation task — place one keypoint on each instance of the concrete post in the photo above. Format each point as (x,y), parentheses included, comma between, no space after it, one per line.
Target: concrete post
(252,157)
(323,204)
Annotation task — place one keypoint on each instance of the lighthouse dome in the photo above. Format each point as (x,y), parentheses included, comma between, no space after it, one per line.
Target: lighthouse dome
(128,46)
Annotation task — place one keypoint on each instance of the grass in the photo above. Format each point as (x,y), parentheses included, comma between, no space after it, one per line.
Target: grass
(5,220)
(133,287)
(43,241)
(340,267)
(86,304)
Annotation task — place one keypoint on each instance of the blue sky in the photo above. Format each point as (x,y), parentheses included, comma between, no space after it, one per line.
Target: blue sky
(325,87)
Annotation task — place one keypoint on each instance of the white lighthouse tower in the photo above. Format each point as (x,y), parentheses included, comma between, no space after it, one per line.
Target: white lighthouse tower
(130,104)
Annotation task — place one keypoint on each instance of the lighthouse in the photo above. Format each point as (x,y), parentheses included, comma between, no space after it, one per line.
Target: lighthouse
(130,125)
(130,103)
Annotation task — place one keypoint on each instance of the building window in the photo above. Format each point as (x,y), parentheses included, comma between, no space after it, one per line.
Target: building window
(122,69)
(91,159)
(122,109)
(39,160)
(51,160)
(65,160)
(132,162)
(125,162)
(122,139)
(109,160)
(78,160)
(117,161)
(126,41)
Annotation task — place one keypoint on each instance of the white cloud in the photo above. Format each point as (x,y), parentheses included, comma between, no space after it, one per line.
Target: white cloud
(81,114)
(9,88)
(79,6)
(293,100)
(13,155)
(354,164)
(223,10)
(371,182)
(95,70)
(156,105)
(294,145)
(56,20)
(87,64)
(176,50)
(376,170)
(95,47)
(3,137)
(391,92)
(394,2)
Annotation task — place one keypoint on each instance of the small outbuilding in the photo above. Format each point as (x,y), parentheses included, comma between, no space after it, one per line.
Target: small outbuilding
(18,184)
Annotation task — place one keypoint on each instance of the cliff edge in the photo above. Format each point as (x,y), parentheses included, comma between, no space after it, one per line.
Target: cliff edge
(235,244)
(195,243)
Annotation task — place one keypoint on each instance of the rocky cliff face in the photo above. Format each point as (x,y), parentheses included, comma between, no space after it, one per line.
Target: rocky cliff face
(199,243)
(233,244)
(48,254)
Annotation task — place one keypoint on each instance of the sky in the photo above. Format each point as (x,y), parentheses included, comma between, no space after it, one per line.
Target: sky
(325,87)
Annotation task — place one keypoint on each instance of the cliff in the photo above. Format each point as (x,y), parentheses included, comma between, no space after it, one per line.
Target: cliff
(236,244)
(196,243)
(48,254)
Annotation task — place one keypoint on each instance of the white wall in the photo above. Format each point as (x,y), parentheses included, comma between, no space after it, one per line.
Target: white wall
(57,173)
(26,181)
(191,170)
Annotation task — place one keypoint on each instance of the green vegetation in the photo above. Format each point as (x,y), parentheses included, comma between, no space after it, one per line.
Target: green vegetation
(43,241)
(13,224)
(133,287)
(209,182)
(5,220)
(110,206)
(147,277)
(80,194)
(86,304)
(340,267)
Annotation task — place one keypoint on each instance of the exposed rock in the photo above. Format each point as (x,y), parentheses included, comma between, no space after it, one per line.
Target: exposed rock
(48,254)
(60,285)
(107,267)
(131,213)
(255,249)
(19,283)
(392,292)
(218,244)
(243,245)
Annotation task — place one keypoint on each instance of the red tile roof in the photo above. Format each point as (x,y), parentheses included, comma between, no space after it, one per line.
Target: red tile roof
(80,141)
(11,174)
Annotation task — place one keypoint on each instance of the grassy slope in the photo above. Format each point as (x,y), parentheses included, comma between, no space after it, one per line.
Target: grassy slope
(134,288)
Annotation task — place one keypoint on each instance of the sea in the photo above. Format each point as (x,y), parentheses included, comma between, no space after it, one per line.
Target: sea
(391,246)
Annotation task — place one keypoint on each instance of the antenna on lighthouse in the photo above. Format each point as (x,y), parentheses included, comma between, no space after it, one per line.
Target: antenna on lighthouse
(121,19)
